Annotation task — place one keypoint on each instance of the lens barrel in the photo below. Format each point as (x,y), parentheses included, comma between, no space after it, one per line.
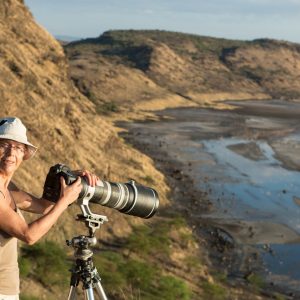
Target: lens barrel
(129,198)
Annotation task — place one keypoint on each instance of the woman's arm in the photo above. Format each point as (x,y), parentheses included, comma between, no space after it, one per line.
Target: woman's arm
(30,203)
(13,224)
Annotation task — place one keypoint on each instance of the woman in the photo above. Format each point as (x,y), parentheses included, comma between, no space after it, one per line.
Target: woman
(14,148)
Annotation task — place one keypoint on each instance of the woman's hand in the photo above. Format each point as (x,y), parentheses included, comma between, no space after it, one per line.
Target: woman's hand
(91,178)
(70,193)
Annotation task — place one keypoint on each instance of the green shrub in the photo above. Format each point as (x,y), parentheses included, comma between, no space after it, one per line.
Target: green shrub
(139,274)
(121,276)
(137,279)
(213,291)
(279,297)
(176,221)
(173,288)
(192,262)
(107,108)
(48,263)
(148,179)
(108,264)
(146,240)
(27,297)
(255,280)
(24,266)
(221,277)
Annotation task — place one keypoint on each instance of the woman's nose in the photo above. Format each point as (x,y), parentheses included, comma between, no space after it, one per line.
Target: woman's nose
(10,149)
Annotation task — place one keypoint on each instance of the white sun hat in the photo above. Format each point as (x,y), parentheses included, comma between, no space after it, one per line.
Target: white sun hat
(12,128)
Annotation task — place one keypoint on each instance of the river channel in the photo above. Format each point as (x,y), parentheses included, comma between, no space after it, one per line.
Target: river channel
(247,160)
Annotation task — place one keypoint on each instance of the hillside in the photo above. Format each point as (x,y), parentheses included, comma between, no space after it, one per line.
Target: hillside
(154,69)
(34,86)
(160,258)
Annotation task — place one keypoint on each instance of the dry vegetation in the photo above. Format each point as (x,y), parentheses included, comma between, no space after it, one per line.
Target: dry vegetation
(61,121)
(119,72)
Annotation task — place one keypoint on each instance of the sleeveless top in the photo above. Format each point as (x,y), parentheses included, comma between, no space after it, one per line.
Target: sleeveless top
(9,269)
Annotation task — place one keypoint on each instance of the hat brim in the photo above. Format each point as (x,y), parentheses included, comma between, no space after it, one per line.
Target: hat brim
(30,149)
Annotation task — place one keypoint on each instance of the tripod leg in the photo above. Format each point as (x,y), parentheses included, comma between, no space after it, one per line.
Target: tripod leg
(89,294)
(100,290)
(72,293)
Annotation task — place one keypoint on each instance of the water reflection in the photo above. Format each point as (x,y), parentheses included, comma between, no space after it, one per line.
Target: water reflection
(263,185)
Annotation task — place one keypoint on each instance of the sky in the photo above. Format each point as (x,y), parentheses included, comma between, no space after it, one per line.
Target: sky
(232,19)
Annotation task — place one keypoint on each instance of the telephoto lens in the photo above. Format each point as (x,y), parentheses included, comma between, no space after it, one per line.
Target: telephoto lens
(129,198)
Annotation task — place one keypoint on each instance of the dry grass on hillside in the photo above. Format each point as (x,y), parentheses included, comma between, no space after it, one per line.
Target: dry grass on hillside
(34,86)
(65,125)
(157,68)
(276,68)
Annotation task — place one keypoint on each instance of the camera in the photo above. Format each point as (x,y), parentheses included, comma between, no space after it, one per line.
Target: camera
(129,198)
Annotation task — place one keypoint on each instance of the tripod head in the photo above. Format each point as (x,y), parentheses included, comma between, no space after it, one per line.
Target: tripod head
(81,245)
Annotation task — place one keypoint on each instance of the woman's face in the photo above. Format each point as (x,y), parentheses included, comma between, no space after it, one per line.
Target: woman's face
(11,156)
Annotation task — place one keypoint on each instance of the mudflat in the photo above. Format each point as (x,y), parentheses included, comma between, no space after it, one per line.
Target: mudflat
(235,174)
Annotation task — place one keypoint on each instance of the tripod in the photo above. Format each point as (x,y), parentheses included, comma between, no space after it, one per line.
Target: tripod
(84,270)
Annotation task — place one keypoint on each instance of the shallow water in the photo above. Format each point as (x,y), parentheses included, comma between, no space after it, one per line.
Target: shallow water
(239,158)
(262,187)
(260,190)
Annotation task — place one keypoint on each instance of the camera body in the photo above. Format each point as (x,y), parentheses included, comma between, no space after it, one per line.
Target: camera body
(52,183)
(129,198)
